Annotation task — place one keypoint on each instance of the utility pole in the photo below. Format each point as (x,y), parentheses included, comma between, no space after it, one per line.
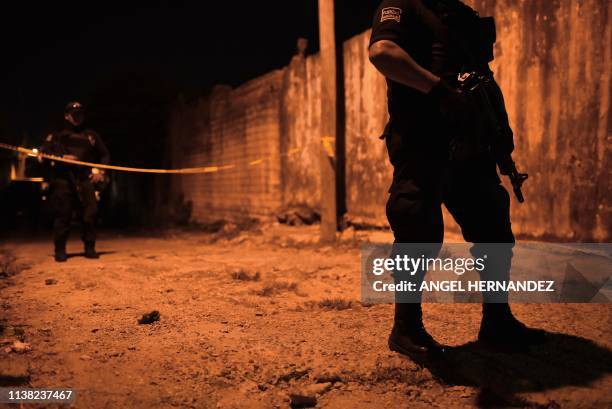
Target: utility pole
(327,45)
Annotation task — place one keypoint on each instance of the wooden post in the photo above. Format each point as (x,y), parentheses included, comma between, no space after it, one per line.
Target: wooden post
(329,222)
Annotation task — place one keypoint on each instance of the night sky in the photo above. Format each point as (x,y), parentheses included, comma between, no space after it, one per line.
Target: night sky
(129,61)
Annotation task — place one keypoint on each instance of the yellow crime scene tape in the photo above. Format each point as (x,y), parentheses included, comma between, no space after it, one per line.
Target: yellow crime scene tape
(326,142)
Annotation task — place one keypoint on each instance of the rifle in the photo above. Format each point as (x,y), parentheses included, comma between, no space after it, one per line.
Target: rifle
(516,179)
(474,86)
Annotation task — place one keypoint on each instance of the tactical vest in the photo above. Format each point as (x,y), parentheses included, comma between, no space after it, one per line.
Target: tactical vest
(473,36)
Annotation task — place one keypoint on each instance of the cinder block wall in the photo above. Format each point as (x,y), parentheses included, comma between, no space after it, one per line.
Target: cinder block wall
(553,61)
(267,128)
(237,127)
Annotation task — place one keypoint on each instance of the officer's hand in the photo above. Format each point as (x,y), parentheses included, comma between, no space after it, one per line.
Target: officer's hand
(454,106)
(506,165)
(96,178)
(38,154)
(97,175)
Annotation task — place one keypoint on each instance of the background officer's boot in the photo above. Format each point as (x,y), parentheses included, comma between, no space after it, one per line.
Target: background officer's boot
(90,250)
(409,336)
(60,251)
(501,330)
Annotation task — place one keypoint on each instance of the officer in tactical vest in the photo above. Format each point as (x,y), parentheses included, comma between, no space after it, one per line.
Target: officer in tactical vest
(73,187)
(445,150)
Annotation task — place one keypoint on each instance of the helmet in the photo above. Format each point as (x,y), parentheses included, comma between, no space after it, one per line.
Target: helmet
(73,106)
(75,113)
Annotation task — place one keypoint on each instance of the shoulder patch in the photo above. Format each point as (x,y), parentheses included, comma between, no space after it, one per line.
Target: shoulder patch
(391,13)
(92,139)
(49,137)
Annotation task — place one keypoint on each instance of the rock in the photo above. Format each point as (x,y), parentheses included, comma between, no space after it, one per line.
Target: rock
(306,397)
(85,358)
(292,374)
(240,239)
(149,318)
(318,388)
(302,400)
(243,275)
(328,376)
(18,347)
(50,281)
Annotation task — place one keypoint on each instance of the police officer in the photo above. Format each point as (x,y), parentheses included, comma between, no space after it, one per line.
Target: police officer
(73,188)
(421,46)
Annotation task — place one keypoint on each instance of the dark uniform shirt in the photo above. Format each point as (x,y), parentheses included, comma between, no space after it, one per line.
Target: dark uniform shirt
(445,37)
(85,144)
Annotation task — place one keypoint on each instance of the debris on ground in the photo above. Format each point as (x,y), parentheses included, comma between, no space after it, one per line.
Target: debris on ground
(335,304)
(17,347)
(328,376)
(9,265)
(277,287)
(236,231)
(149,318)
(303,400)
(298,215)
(243,275)
(50,281)
(306,396)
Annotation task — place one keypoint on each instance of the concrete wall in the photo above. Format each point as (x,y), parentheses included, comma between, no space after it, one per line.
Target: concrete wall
(268,128)
(300,118)
(230,127)
(552,61)
(368,171)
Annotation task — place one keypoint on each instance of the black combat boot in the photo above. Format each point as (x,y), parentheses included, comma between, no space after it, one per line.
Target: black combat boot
(501,330)
(409,336)
(60,251)
(90,250)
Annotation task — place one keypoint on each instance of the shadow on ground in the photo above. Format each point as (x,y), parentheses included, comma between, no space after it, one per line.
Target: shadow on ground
(564,360)
(82,254)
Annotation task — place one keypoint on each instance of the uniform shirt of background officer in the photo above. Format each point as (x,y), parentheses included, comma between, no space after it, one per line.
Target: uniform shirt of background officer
(73,187)
(76,141)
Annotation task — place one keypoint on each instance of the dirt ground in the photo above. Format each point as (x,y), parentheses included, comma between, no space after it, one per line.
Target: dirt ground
(267,318)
